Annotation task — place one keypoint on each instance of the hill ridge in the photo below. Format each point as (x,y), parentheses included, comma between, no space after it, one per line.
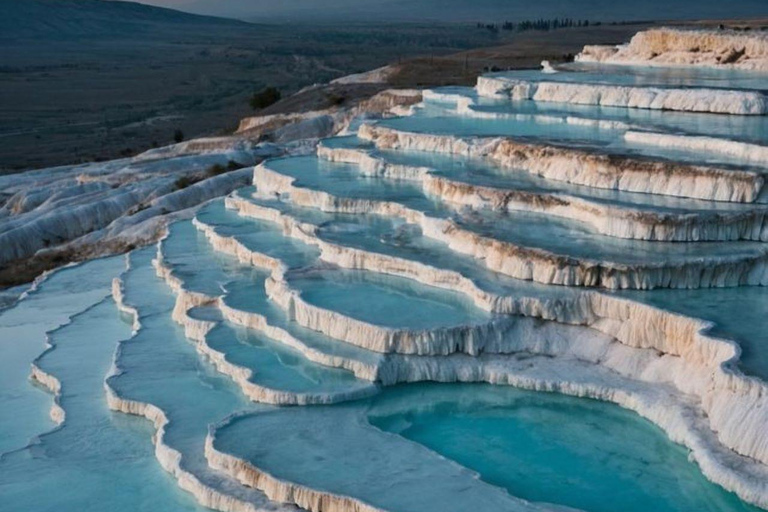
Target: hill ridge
(71,19)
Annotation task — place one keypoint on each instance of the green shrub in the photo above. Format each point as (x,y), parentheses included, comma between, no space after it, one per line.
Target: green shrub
(184,182)
(265,98)
(335,100)
(216,169)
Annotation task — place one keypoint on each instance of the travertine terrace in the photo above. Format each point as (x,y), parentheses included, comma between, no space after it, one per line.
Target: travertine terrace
(586,241)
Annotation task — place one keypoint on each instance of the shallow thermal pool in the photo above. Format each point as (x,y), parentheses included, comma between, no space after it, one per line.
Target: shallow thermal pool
(645,76)
(345,180)
(273,333)
(610,140)
(746,128)
(739,314)
(539,447)
(483,172)
(559,235)
(387,300)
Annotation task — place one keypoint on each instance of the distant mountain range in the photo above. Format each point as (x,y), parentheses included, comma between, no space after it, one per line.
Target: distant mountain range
(67,19)
(84,19)
(470,10)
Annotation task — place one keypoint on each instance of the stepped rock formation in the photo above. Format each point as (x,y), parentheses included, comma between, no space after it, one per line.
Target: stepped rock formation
(534,232)
(680,47)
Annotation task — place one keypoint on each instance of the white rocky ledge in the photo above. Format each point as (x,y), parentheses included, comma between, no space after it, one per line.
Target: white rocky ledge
(620,220)
(533,263)
(730,399)
(683,47)
(714,101)
(583,167)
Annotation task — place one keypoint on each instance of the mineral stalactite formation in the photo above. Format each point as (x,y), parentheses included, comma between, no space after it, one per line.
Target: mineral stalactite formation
(593,230)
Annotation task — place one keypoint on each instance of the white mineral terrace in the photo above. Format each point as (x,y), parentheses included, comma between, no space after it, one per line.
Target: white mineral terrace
(546,293)
(633,218)
(676,47)
(583,167)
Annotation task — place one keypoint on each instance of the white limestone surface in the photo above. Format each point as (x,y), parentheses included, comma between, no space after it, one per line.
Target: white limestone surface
(714,101)
(584,167)
(685,47)
(621,220)
(534,263)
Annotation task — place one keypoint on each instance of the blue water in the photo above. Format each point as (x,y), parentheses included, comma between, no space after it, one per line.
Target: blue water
(178,251)
(604,140)
(161,367)
(334,450)
(552,448)
(249,295)
(99,460)
(652,76)
(262,236)
(387,300)
(535,230)
(397,238)
(747,128)
(540,447)
(345,180)
(423,122)
(483,172)
(566,237)
(479,171)
(739,314)
(244,289)
(23,408)
(276,366)
(420,447)
(371,233)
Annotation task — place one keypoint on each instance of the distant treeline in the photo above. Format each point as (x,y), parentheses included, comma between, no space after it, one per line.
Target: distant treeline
(544,24)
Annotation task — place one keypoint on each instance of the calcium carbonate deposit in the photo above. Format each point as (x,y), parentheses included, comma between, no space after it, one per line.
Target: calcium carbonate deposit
(543,293)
